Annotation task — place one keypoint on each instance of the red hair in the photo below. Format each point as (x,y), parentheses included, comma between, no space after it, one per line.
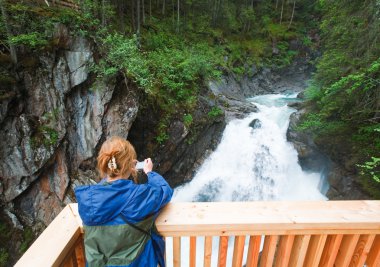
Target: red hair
(125,158)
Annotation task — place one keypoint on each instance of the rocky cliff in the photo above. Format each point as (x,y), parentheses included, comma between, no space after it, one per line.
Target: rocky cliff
(54,117)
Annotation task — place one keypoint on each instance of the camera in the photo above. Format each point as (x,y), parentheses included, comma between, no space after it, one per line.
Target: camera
(140,165)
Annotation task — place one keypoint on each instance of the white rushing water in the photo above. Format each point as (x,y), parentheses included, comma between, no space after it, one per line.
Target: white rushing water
(252,163)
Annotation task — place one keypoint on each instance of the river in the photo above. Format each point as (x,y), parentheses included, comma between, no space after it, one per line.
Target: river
(253,162)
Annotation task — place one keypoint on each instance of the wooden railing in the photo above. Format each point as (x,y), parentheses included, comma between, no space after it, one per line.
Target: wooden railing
(330,233)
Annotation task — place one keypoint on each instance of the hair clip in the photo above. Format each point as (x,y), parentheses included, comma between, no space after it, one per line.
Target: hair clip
(112,164)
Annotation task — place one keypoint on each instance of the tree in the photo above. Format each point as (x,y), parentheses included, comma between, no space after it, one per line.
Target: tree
(291,19)
(12,48)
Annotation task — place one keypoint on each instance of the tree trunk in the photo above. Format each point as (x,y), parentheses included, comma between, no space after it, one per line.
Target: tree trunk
(120,12)
(138,22)
(133,17)
(177,16)
(104,13)
(143,11)
(282,11)
(291,19)
(150,10)
(163,7)
(276,4)
(12,48)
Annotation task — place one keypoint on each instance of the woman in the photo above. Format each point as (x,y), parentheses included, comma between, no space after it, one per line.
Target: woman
(118,214)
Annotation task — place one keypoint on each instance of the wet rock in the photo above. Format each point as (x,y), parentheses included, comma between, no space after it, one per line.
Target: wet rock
(85,131)
(121,112)
(78,59)
(343,185)
(309,156)
(255,124)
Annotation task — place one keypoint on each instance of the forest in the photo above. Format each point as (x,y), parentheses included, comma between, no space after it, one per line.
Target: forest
(171,49)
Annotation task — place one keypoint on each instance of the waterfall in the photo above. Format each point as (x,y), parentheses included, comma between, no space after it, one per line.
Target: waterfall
(253,162)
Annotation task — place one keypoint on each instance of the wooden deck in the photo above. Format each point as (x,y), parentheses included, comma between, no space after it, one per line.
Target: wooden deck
(318,233)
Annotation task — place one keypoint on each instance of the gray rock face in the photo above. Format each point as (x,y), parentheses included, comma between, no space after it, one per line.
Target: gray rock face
(342,182)
(87,108)
(265,81)
(52,131)
(78,59)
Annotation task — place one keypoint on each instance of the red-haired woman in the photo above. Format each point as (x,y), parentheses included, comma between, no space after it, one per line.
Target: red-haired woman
(118,214)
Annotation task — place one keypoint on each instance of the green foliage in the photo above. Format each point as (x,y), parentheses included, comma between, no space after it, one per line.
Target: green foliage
(350,33)
(4,256)
(345,91)
(371,168)
(313,92)
(33,40)
(5,235)
(121,53)
(187,120)
(28,237)
(46,133)
(215,112)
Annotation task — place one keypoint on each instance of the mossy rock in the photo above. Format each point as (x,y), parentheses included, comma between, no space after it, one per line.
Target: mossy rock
(29,62)
(5,59)
(6,83)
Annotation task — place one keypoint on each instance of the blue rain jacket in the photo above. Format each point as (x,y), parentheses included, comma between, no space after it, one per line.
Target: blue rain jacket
(100,207)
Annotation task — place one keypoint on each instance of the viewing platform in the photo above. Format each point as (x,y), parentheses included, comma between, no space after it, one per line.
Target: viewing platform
(312,233)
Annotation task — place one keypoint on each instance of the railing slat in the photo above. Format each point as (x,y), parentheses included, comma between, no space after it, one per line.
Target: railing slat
(297,257)
(361,251)
(79,252)
(373,259)
(269,250)
(54,243)
(346,250)
(237,259)
(223,246)
(193,251)
(176,251)
(284,250)
(208,251)
(331,250)
(253,251)
(314,252)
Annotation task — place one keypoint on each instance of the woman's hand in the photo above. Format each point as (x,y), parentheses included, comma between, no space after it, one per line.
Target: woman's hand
(148,166)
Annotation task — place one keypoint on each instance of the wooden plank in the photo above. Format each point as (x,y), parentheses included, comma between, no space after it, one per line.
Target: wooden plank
(193,251)
(300,245)
(253,251)
(79,252)
(361,251)
(176,251)
(208,251)
(331,250)
(346,250)
(237,259)
(52,246)
(223,246)
(267,255)
(284,250)
(314,252)
(373,259)
(256,218)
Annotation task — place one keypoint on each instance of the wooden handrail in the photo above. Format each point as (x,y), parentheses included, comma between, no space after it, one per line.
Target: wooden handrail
(311,233)
(257,218)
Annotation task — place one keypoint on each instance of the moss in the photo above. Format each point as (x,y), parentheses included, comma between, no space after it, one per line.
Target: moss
(28,237)
(5,235)
(6,81)
(4,256)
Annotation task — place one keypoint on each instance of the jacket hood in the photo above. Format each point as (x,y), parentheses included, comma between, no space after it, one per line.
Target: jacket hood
(100,203)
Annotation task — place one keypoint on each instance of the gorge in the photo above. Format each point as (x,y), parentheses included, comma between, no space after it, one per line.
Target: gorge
(270,92)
